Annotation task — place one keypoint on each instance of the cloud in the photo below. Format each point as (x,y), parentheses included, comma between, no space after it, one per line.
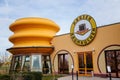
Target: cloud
(103,11)
(4,26)
(62,12)
(4,34)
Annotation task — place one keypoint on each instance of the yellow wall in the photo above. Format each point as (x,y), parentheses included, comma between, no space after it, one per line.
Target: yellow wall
(33,32)
(32,35)
(106,35)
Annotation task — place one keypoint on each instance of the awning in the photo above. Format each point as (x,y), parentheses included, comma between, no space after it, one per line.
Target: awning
(31,50)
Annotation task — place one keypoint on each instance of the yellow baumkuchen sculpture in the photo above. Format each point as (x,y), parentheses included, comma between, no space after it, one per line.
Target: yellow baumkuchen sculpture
(32,33)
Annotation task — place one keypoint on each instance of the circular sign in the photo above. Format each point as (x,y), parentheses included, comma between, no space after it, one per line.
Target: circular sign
(83,30)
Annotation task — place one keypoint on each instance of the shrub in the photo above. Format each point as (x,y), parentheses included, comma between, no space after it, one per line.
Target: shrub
(32,76)
(26,76)
(4,77)
(51,76)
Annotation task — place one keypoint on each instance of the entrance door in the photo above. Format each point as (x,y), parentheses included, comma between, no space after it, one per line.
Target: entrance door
(63,66)
(85,63)
(113,60)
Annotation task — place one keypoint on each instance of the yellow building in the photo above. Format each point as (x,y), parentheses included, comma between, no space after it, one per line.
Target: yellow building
(88,49)
(32,44)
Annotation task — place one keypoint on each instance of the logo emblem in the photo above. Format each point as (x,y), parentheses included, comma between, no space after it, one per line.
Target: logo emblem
(83,30)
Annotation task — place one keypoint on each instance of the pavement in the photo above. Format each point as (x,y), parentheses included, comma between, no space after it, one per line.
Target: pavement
(85,78)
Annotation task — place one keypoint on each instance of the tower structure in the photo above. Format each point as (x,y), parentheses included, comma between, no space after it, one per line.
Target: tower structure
(32,44)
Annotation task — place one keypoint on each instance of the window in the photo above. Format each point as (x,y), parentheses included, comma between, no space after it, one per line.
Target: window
(18,63)
(113,60)
(46,64)
(36,63)
(26,63)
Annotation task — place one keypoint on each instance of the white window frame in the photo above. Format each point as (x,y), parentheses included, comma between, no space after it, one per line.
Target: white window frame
(40,63)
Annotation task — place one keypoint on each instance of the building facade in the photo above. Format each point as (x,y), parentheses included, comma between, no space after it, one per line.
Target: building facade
(88,49)
(31,44)
(103,51)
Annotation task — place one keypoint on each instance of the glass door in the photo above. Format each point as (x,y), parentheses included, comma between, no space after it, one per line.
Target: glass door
(118,62)
(63,66)
(113,60)
(85,63)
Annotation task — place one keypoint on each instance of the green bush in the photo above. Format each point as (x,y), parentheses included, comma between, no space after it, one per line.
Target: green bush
(51,76)
(26,76)
(48,77)
(32,76)
(4,77)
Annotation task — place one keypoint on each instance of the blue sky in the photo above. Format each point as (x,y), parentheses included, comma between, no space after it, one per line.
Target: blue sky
(62,12)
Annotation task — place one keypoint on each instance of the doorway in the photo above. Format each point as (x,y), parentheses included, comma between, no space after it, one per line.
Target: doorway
(85,60)
(113,60)
(63,65)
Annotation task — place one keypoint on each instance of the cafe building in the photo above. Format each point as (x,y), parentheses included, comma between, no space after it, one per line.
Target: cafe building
(88,49)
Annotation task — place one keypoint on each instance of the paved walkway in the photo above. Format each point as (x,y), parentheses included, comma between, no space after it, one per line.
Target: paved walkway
(86,78)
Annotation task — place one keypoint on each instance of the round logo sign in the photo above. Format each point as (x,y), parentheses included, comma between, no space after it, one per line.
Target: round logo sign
(83,30)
